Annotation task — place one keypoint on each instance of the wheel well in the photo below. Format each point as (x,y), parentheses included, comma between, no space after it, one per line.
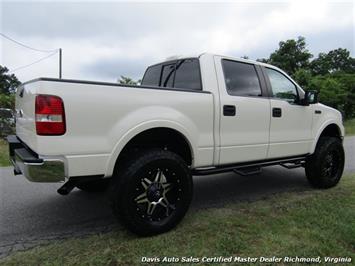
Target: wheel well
(163,138)
(331,130)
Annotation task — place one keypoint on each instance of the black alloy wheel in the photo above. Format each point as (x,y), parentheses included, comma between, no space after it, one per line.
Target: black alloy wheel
(153,192)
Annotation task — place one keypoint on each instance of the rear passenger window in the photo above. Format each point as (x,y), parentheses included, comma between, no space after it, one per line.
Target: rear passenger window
(187,75)
(152,76)
(241,78)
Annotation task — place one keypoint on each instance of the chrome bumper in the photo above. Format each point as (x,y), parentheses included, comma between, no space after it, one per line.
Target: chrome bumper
(35,169)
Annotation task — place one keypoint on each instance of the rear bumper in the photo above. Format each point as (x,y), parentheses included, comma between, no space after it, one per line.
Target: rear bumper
(28,163)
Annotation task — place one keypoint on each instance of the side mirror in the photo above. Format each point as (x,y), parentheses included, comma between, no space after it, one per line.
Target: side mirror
(310,97)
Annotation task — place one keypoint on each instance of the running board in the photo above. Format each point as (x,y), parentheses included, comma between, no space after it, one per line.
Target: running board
(293,165)
(248,171)
(238,168)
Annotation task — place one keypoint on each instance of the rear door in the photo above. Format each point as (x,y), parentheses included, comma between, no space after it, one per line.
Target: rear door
(244,112)
(290,127)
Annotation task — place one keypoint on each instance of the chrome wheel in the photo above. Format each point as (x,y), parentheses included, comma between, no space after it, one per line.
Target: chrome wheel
(158,196)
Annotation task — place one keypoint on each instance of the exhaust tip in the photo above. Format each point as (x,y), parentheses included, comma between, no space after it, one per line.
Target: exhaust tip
(16,172)
(66,188)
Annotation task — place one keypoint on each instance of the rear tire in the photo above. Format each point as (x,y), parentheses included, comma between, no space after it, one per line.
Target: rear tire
(152,193)
(325,167)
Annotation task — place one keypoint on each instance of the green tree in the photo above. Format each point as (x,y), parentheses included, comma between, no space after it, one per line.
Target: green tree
(128,81)
(291,56)
(332,73)
(333,61)
(303,77)
(331,91)
(263,60)
(8,82)
(348,82)
(7,101)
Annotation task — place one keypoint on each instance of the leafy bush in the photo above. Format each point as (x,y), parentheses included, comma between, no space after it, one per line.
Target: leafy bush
(7,122)
(7,101)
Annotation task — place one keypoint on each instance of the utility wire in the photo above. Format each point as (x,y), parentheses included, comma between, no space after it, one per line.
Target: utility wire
(35,62)
(26,46)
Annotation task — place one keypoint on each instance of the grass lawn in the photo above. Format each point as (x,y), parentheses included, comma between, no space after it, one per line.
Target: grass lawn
(305,224)
(4,153)
(349,127)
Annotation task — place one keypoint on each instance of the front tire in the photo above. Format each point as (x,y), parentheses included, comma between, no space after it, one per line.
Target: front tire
(152,193)
(325,167)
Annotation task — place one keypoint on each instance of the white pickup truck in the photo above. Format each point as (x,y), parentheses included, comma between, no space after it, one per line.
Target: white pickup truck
(190,116)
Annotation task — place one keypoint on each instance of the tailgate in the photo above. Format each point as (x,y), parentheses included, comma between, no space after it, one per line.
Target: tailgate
(25,114)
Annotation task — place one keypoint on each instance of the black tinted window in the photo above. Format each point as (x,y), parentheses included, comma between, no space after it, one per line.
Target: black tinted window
(152,76)
(183,74)
(187,74)
(241,79)
(167,76)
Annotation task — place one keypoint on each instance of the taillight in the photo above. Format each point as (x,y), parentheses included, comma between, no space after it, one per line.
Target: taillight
(50,115)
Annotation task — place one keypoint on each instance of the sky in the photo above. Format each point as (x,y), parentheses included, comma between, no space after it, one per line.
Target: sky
(104,40)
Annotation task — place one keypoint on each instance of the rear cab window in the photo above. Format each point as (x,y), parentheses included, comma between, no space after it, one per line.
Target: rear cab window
(152,76)
(179,74)
(187,74)
(167,75)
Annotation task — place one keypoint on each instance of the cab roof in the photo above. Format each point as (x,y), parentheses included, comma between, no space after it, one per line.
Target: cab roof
(179,57)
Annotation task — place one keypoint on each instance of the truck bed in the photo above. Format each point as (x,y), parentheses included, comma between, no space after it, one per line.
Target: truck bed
(100,115)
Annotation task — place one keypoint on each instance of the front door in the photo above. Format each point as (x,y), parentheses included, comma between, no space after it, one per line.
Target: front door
(290,127)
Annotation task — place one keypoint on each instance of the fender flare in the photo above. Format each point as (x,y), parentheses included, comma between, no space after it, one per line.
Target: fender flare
(322,128)
(144,126)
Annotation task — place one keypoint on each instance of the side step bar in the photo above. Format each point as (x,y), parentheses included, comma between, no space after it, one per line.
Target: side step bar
(74,181)
(248,171)
(243,168)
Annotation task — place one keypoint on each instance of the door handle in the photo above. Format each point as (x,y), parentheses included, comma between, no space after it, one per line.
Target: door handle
(276,112)
(228,110)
